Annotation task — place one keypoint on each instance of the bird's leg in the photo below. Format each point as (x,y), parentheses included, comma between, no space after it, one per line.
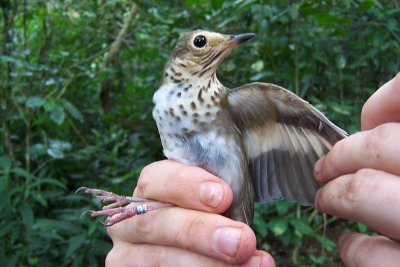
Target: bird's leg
(115,211)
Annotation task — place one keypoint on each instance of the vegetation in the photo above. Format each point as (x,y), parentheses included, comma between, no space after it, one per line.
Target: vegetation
(76,81)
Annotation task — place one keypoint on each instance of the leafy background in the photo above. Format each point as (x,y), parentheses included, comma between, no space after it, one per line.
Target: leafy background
(75,106)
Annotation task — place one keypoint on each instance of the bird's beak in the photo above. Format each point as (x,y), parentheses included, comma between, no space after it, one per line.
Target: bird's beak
(231,41)
(236,40)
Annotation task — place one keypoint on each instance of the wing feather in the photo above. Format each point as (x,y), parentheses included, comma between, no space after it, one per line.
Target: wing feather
(283,136)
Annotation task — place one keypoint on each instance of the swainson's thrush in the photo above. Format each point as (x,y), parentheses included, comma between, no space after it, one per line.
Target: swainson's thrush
(260,138)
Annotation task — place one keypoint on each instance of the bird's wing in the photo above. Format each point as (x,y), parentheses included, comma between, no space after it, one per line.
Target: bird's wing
(283,137)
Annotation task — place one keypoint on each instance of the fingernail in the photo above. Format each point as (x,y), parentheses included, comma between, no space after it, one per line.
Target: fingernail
(254,261)
(318,166)
(211,194)
(226,240)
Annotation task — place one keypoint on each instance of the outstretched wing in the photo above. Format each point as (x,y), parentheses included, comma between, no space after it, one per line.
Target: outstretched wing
(283,137)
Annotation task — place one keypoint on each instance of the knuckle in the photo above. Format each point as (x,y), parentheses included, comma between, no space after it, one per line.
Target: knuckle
(159,257)
(111,231)
(144,179)
(365,111)
(359,185)
(375,140)
(143,255)
(114,257)
(190,229)
(144,225)
(116,232)
(147,170)
(154,256)
(183,193)
(336,152)
(181,174)
(180,177)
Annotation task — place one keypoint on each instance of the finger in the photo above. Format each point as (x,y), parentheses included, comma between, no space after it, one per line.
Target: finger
(365,251)
(377,149)
(367,196)
(204,233)
(128,255)
(383,106)
(198,189)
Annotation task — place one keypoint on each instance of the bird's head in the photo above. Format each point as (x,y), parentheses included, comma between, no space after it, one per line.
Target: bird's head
(201,52)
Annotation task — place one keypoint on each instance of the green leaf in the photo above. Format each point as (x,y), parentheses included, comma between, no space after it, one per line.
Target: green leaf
(341,62)
(286,237)
(10,261)
(293,11)
(21,172)
(34,102)
(257,66)
(301,226)
(27,215)
(74,243)
(37,150)
(60,145)
(278,226)
(49,105)
(57,115)
(283,206)
(362,228)
(260,225)
(72,110)
(47,181)
(33,261)
(5,162)
(7,228)
(55,153)
(328,244)
(319,259)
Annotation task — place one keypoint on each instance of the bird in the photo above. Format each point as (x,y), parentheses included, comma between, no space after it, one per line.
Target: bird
(260,138)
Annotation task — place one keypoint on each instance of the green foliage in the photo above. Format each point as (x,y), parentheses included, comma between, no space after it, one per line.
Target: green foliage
(55,136)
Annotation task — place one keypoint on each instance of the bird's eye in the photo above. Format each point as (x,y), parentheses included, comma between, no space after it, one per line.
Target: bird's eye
(200,41)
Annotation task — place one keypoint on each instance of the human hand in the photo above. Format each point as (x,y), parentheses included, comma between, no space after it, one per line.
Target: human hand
(362,173)
(191,234)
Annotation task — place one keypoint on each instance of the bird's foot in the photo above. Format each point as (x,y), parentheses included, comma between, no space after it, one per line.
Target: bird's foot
(115,211)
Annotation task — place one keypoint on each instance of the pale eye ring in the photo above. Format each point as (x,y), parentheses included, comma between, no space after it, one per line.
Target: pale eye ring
(200,41)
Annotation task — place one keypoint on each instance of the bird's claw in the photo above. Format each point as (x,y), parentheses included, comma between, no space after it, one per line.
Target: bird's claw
(115,211)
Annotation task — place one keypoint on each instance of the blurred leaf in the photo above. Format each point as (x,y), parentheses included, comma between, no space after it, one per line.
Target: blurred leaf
(293,11)
(5,162)
(37,150)
(329,245)
(60,145)
(362,228)
(34,102)
(301,226)
(57,115)
(278,226)
(260,224)
(257,66)
(341,62)
(22,172)
(74,244)
(50,81)
(282,207)
(72,110)
(319,259)
(47,181)
(55,153)
(10,261)
(27,215)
